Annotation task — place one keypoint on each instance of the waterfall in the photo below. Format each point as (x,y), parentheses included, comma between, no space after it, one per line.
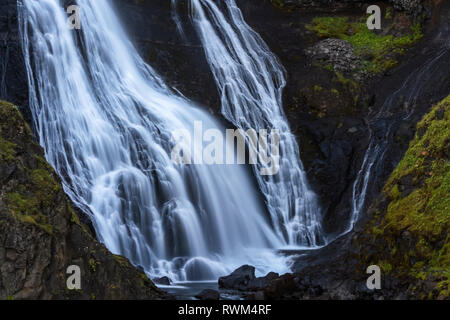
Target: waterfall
(250,81)
(105,120)
(176,19)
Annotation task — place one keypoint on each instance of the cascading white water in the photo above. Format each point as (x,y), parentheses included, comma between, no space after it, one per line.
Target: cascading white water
(250,80)
(105,119)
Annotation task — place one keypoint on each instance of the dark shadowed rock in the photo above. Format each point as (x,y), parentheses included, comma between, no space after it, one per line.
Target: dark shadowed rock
(208,294)
(281,287)
(239,279)
(163,280)
(261,282)
(258,295)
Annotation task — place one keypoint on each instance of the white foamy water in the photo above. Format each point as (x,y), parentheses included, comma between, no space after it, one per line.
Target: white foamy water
(105,118)
(250,81)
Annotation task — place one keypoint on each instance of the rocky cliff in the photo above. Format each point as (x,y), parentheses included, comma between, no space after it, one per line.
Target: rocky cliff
(406,236)
(41,235)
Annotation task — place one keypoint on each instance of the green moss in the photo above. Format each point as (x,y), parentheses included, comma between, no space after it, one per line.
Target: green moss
(395,193)
(375,49)
(385,266)
(425,211)
(25,210)
(388,14)
(427,208)
(74,217)
(348,84)
(7,150)
(11,118)
(121,260)
(93,264)
(145,281)
(29,201)
(330,27)
(351,87)
(317,89)
(280,4)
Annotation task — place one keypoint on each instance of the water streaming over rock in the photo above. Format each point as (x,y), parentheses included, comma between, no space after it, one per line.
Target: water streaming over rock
(409,92)
(105,119)
(250,81)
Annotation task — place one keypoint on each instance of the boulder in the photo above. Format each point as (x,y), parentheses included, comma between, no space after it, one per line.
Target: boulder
(163,280)
(239,279)
(338,54)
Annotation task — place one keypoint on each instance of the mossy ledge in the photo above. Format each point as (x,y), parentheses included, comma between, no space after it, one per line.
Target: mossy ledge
(408,236)
(379,51)
(41,235)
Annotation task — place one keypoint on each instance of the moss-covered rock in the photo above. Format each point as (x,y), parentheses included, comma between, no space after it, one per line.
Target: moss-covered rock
(41,235)
(379,51)
(409,234)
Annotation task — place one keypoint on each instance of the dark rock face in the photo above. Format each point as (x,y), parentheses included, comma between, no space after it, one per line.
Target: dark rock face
(261,282)
(411,6)
(13,76)
(41,236)
(320,5)
(208,294)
